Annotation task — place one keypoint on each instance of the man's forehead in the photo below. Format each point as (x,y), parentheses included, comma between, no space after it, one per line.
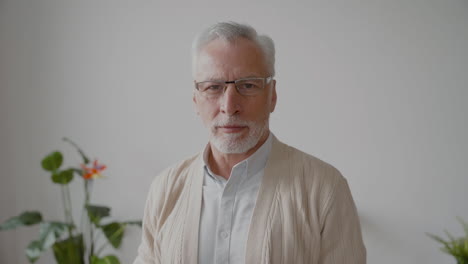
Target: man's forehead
(221,59)
(222,77)
(219,68)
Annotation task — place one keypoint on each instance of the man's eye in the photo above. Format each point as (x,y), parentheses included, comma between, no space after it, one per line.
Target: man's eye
(248,86)
(214,87)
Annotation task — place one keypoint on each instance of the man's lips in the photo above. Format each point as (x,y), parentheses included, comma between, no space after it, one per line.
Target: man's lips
(231,128)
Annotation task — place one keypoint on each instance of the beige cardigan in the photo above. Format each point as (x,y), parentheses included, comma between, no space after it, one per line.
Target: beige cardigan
(304,214)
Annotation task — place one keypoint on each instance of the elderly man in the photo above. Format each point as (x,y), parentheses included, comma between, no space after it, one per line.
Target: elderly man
(247,198)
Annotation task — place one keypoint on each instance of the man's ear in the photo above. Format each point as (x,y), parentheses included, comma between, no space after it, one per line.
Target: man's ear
(273,96)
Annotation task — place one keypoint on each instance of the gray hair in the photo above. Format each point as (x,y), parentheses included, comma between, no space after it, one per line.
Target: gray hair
(229,31)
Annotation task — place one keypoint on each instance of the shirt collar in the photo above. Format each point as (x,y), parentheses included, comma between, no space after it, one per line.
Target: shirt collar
(256,162)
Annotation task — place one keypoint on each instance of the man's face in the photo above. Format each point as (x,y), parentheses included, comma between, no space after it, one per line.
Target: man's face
(236,122)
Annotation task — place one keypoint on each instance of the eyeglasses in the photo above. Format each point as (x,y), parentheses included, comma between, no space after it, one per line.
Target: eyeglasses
(246,86)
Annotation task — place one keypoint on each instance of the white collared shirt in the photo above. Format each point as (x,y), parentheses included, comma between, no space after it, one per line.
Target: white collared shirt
(227,208)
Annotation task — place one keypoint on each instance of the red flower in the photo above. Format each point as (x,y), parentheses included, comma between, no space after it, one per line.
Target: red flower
(93,172)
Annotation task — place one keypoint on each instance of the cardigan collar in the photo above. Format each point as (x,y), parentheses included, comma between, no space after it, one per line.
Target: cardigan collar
(253,164)
(268,189)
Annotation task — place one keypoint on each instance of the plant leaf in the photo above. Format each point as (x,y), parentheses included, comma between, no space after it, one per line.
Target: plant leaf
(466,247)
(94,260)
(437,238)
(111,259)
(69,251)
(456,247)
(96,213)
(53,161)
(34,251)
(50,232)
(114,233)
(25,219)
(63,177)
(452,239)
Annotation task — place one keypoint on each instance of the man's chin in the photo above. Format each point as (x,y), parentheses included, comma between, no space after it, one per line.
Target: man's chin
(230,139)
(238,142)
(233,143)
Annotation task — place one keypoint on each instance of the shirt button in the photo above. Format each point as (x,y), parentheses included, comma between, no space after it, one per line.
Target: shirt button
(224,235)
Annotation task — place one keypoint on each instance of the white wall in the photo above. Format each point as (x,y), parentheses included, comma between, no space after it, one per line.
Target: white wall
(377,88)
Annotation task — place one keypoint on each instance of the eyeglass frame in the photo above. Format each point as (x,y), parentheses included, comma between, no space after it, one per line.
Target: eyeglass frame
(266,80)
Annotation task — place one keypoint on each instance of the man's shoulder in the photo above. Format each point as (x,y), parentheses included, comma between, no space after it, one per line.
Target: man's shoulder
(310,176)
(169,186)
(309,167)
(308,160)
(181,169)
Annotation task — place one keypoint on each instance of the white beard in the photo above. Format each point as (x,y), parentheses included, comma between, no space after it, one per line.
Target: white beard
(232,143)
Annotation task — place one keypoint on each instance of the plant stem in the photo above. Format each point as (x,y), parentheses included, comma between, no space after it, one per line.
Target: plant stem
(83,210)
(64,203)
(90,224)
(70,208)
(66,209)
(82,229)
(91,252)
(85,158)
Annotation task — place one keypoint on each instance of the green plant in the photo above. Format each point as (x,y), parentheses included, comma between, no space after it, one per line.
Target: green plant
(69,243)
(457,247)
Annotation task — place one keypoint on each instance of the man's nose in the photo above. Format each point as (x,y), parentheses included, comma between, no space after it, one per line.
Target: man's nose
(231,100)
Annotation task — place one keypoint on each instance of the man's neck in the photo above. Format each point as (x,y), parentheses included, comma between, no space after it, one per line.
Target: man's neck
(221,163)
